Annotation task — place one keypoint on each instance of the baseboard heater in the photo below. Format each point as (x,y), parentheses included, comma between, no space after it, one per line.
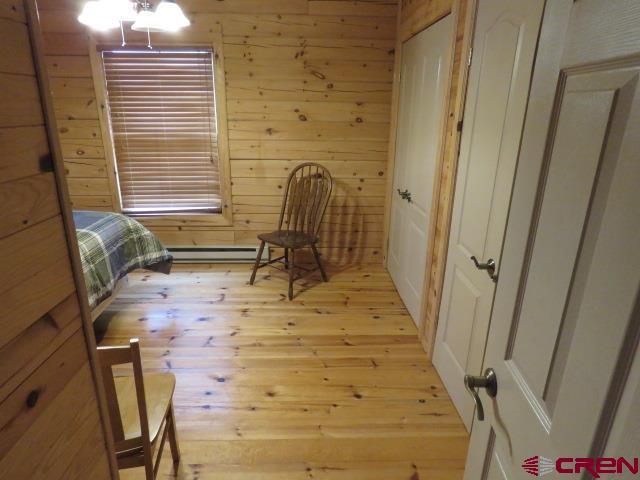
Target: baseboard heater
(212,254)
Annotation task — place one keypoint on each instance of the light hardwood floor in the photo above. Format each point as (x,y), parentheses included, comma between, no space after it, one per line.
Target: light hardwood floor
(333,385)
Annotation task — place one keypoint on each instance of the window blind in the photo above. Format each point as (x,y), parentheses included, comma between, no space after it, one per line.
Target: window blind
(163,120)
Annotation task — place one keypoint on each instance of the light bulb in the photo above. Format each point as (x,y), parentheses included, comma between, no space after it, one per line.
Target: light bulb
(147,21)
(171,16)
(123,10)
(97,15)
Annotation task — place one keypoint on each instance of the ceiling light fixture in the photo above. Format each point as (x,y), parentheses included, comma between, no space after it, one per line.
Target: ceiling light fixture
(147,21)
(170,16)
(107,14)
(96,15)
(124,10)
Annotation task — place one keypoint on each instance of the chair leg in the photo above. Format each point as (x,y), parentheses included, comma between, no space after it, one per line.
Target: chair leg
(149,472)
(317,257)
(147,457)
(286,258)
(257,264)
(292,267)
(173,437)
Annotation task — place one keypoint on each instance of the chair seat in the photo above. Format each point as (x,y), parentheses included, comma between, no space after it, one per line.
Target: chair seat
(288,238)
(158,388)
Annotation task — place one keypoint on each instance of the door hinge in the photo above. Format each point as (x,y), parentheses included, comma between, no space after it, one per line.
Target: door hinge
(470,56)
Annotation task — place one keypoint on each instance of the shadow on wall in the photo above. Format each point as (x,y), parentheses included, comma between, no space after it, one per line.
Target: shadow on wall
(344,230)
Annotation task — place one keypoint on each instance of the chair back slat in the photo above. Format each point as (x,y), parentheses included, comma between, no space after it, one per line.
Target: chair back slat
(306,198)
(119,355)
(141,398)
(303,197)
(112,404)
(314,188)
(116,355)
(108,357)
(319,195)
(291,191)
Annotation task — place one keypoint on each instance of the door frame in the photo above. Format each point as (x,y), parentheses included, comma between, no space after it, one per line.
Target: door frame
(463,16)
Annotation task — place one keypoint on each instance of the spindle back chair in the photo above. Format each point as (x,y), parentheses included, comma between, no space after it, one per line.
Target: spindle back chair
(140,410)
(305,201)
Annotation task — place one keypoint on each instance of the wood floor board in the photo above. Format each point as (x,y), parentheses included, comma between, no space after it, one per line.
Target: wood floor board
(252,332)
(332,386)
(181,358)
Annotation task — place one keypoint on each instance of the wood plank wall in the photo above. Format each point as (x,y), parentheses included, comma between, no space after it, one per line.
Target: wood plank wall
(307,80)
(50,419)
(416,15)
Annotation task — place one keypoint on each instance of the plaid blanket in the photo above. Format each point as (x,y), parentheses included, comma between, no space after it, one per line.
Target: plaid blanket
(112,245)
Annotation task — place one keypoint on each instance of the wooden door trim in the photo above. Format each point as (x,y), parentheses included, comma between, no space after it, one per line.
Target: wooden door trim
(421,14)
(99,87)
(65,207)
(444,190)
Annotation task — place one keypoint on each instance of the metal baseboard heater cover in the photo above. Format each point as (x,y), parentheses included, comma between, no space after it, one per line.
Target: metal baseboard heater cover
(215,254)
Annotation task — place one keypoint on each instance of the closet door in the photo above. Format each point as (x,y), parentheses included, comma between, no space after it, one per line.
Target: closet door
(50,417)
(424,77)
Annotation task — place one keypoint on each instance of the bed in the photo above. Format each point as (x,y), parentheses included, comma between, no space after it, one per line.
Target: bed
(112,245)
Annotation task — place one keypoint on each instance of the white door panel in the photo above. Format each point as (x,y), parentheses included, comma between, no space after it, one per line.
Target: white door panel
(463,299)
(424,78)
(564,331)
(495,468)
(415,267)
(500,45)
(504,46)
(395,245)
(566,201)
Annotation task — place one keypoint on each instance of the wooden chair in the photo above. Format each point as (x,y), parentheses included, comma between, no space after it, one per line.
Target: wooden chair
(140,410)
(303,206)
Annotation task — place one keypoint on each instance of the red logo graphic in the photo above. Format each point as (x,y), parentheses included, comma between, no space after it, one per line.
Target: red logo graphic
(538,466)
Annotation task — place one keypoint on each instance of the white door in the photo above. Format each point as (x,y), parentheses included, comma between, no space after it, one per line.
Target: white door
(424,77)
(566,318)
(504,46)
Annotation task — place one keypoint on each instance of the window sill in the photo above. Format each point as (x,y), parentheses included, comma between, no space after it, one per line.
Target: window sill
(222,219)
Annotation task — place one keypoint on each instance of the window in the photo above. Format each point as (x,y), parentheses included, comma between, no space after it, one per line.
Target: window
(164,128)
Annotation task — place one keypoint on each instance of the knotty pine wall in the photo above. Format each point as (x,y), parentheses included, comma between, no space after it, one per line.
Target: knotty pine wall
(307,80)
(416,15)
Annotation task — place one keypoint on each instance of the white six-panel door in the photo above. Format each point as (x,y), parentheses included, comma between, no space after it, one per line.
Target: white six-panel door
(504,45)
(566,323)
(423,83)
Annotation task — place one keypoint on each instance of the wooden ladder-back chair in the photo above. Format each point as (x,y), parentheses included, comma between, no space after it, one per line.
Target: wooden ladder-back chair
(305,200)
(140,410)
